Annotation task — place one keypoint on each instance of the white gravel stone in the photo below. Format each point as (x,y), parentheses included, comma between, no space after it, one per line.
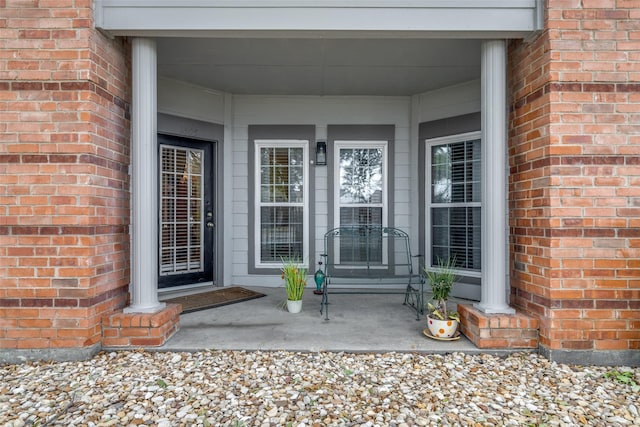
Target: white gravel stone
(312,389)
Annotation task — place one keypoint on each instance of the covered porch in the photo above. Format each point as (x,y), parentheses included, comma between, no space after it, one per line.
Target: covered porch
(248,75)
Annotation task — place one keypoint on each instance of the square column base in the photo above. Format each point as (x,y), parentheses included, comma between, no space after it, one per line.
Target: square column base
(498,330)
(124,330)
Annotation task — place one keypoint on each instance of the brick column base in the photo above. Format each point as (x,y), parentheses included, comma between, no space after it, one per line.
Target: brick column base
(140,329)
(498,330)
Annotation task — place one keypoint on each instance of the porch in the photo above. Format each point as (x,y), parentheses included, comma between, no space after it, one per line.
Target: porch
(358,323)
(396,94)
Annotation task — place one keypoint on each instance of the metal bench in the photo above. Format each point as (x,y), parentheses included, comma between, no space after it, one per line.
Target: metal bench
(370,260)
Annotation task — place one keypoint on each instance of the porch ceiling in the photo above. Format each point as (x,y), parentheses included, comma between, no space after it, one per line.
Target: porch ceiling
(307,66)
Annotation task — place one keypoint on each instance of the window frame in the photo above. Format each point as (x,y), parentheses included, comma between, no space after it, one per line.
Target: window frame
(258,204)
(339,144)
(428,237)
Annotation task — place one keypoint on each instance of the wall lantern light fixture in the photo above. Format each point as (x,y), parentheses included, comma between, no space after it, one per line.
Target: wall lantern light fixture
(321,153)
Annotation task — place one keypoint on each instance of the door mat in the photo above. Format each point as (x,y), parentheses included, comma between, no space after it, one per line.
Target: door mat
(212,299)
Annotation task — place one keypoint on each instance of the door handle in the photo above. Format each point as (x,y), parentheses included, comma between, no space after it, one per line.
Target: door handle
(210,224)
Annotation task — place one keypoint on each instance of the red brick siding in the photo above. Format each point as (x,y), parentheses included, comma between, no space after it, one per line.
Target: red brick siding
(64,193)
(140,329)
(575,175)
(498,330)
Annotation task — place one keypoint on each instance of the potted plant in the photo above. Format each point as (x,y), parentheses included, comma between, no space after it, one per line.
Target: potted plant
(295,280)
(442,323)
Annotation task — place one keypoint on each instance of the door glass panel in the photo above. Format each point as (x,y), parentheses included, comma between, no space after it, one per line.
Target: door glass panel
(181,205)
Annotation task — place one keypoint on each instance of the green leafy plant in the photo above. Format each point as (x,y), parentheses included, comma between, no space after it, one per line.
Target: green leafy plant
(441,278)
(624,377)
(347,371)
(295,278)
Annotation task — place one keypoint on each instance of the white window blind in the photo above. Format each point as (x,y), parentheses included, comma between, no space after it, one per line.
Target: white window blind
(181,186)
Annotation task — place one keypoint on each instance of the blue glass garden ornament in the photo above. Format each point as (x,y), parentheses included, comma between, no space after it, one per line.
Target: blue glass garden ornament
(319,278)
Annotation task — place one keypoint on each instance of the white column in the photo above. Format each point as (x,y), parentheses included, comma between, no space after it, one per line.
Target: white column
(495,284)
(144,196)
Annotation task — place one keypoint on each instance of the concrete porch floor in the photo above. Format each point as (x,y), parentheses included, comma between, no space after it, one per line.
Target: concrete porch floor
(358,323)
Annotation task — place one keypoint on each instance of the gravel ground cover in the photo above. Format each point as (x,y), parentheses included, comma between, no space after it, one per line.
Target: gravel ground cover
(238,388)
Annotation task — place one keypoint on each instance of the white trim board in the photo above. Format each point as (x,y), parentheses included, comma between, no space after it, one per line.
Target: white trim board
(348,18)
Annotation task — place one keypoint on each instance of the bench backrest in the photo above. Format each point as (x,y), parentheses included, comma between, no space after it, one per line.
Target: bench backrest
(367,251)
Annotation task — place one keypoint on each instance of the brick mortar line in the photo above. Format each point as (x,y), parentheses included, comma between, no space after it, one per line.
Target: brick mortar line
(63,302)
(47,230)
(551,87)
(89,159)
(66,85)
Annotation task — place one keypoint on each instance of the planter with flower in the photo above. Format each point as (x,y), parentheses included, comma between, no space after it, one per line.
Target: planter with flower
(295,280)
(441,322)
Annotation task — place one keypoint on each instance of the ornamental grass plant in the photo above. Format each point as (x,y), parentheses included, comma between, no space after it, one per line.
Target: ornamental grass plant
(441,278)
(295,278)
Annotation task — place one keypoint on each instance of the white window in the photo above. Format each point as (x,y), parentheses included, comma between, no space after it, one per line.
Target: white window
(282,207)
(361,196)
(454,201)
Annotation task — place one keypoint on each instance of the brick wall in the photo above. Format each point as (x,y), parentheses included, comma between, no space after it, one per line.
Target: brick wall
(64,151)
(575,175)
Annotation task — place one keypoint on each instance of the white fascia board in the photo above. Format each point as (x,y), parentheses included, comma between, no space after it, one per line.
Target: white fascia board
(320,18)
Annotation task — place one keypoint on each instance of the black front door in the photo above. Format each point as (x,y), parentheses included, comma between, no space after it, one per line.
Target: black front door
(187,215)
